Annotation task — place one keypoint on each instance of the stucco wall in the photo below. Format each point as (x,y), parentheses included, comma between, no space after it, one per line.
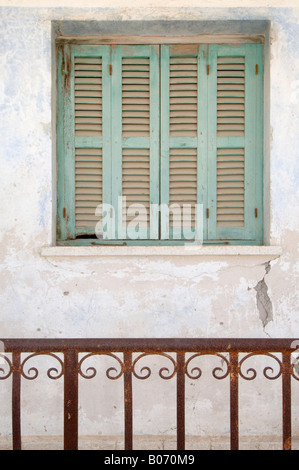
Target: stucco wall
(141,296)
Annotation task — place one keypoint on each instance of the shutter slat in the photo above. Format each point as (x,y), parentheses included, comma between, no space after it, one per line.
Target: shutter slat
(182,182)
(88,186)
(88,96)
(230,187)
(136,183)
(183,83)
(230,96)
(135,96)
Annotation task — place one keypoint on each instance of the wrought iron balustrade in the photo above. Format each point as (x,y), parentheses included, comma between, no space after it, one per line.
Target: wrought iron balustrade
(125,354)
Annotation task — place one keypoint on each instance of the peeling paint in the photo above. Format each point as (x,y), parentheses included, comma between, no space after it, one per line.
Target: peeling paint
(264,304)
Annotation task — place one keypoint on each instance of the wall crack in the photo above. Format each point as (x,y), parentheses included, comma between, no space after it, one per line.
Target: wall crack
(264,304)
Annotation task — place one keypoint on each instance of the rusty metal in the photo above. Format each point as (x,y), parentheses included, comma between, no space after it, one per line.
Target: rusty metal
(286,401)
(16,401)
(129,367)
(180,401)
(128,405)
(234,401)
(70,400)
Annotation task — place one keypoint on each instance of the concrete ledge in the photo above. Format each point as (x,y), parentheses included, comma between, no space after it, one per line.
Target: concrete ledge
(268,252)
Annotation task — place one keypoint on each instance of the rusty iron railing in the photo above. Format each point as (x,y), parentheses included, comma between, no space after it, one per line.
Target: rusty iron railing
(127,352)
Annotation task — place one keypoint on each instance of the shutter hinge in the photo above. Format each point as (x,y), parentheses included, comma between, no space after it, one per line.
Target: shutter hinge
(63,65)
(255,212)
(256,69)
(208,69)
(64,213)
(110,69)
(208,213)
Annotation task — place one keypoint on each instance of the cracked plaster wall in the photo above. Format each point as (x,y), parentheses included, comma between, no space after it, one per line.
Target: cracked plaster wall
(142,297)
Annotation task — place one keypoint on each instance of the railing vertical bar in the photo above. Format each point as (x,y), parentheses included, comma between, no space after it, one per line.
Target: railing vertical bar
(234,401)
(128,400)
(70,400)
(180,401)
(286,401)
(16,401)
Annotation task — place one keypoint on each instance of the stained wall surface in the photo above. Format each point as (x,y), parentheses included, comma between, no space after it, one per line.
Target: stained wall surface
(227,295)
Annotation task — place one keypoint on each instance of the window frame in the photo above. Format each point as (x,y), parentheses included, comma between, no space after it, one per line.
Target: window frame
(63,213)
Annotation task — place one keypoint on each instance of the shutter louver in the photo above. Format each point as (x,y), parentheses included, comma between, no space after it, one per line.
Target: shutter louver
(136,123)
(135,97)
(183,183)
(88,186)
(235,141)
(180,104)
(169,128)
(136,183)
(231,96)
(88,96)
(230,123)
(183,96)
(230,187)
(88,161)
(135,143)
(89,133)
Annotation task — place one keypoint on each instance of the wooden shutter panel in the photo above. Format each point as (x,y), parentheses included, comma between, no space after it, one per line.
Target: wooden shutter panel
(181,165)
(85,93)
(135,151)
(88,122)
(235,142)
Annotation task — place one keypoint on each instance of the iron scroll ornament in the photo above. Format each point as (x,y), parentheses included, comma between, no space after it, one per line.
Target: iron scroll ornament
(53,373)
(164,372)
(91,372)
(251,372)
(196,372)
(5,375)
(32,373)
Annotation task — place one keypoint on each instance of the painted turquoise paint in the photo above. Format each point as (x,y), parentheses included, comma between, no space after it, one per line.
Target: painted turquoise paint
(259,157)
(107,133)
(101,141)
(202,137)
(60,229)
(116,139)
(66,154)
(206,142)
(165,141)
(98,242)
(168,142)
(252,143)
(212,139)
(154,142)
(119,142)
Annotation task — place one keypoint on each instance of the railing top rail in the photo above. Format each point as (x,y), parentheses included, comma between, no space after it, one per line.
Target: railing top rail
(153,345)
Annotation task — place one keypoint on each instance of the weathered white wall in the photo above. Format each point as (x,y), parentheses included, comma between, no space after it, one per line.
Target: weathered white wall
(162,296)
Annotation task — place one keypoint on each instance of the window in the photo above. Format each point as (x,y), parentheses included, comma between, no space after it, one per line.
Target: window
(160,143)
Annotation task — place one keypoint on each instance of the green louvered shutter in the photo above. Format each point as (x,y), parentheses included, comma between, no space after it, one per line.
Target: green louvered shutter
(183,107)
(167,125)
(84,148)
(235,149)
(135,140)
